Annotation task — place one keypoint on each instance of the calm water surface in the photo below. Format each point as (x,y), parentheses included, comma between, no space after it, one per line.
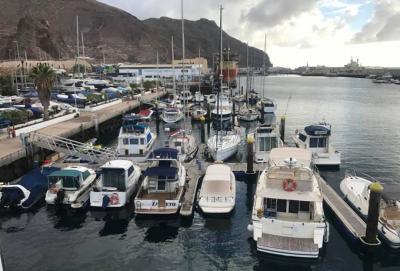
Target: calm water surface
(365,119)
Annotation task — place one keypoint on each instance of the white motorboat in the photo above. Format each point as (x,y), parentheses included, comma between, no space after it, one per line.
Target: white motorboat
(172,115)
(248,114)
(135,138)
(287,217)
(197,112)
(222,109)
(186,96)
(316,138)
(218,190)
(198,97)
(118,180)
(185,143)
(221,147)
(356,191)
(268,105)
(163,186)
(70,186)
(266,138)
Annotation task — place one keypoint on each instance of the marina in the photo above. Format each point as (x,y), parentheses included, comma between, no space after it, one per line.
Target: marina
(140,153)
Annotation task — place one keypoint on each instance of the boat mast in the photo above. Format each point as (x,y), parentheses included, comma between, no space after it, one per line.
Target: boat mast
(199,73)
(220,77)
(183,75)
(265,49)
(83,53)
(77,45)
(247,76)
(173,65)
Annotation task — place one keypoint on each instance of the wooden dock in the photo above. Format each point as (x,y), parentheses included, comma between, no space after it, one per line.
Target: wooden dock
(194,174)
(353,222)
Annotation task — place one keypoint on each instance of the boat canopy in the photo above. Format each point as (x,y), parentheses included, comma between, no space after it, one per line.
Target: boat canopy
(316,130)
(66,173)
(391,192)
(164,153)
(161,171)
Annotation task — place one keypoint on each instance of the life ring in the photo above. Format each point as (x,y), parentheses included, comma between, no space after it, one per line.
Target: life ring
(289,185)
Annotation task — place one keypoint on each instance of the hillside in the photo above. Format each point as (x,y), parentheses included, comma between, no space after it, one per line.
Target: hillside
(48,28)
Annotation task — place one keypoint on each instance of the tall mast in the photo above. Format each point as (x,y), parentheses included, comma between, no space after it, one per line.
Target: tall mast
(183,70)
(158,75)
(199,73)
(220,76)
(83,51)
(265,49)
(77,46)
(173,64)
(247,76)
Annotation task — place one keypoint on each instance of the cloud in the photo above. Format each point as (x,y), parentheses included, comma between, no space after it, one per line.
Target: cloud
(268,13)
(384,24)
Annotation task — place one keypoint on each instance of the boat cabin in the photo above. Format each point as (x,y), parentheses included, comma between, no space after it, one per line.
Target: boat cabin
(135,138)
(116,174)
(69,179)
(315,136)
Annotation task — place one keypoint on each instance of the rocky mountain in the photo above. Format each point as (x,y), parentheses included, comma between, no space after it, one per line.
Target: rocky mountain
(47,28)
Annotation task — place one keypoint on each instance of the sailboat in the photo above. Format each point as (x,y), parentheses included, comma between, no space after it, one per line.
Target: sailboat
(185,142)
(246,113)
(221,147)
(266,105)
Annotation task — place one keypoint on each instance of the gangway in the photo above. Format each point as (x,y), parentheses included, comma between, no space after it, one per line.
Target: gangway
(68,146)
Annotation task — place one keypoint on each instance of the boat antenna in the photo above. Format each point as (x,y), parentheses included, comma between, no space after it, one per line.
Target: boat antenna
(287,105)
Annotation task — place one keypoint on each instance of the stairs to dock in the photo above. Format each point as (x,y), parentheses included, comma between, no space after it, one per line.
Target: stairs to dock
(70,147)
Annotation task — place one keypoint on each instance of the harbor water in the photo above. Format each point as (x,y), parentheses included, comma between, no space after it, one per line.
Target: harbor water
(364,118)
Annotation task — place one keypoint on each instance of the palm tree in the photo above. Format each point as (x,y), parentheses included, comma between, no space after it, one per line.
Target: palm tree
(43,76)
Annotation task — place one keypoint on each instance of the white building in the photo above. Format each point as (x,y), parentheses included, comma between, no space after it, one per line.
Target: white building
(137,73)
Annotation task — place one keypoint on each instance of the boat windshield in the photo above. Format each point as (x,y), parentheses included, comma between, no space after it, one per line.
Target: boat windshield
(114,177)
(267,143)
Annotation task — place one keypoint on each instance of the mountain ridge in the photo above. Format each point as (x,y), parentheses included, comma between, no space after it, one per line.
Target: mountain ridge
(48,28)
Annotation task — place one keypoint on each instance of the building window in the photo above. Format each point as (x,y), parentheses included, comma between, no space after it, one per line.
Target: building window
(281,205)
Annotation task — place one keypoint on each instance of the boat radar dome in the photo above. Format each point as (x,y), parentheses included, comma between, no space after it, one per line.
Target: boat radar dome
(290,161)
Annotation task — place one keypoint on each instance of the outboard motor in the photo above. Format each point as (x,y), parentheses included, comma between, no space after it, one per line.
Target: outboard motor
(60,196)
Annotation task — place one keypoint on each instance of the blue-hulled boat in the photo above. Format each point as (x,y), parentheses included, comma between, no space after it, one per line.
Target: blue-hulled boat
(27,191)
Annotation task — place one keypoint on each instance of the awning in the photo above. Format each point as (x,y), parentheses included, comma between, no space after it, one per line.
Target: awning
(164,153)
(161,171)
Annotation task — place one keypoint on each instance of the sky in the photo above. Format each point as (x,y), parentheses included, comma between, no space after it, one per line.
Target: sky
(317,32)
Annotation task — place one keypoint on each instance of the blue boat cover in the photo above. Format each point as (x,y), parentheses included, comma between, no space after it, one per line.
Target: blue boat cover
(169,172)
(164,153)
(316,130)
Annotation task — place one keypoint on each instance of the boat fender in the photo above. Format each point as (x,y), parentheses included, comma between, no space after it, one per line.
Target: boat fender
(250,227)
(289,185)
(106,201)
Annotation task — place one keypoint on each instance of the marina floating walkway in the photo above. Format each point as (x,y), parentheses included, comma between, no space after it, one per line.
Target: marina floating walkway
(350,219)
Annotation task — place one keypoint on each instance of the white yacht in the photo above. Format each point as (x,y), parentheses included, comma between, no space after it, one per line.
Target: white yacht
(185,143)
(70,186)
(223,146)
(135,138)
(266,138)
(172,115)
(248,114)
(316,138)
(186,96)
(222,109)
(268,105)
(287,217)
(163,186)
(118,180)
(218,190)
(356,190)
